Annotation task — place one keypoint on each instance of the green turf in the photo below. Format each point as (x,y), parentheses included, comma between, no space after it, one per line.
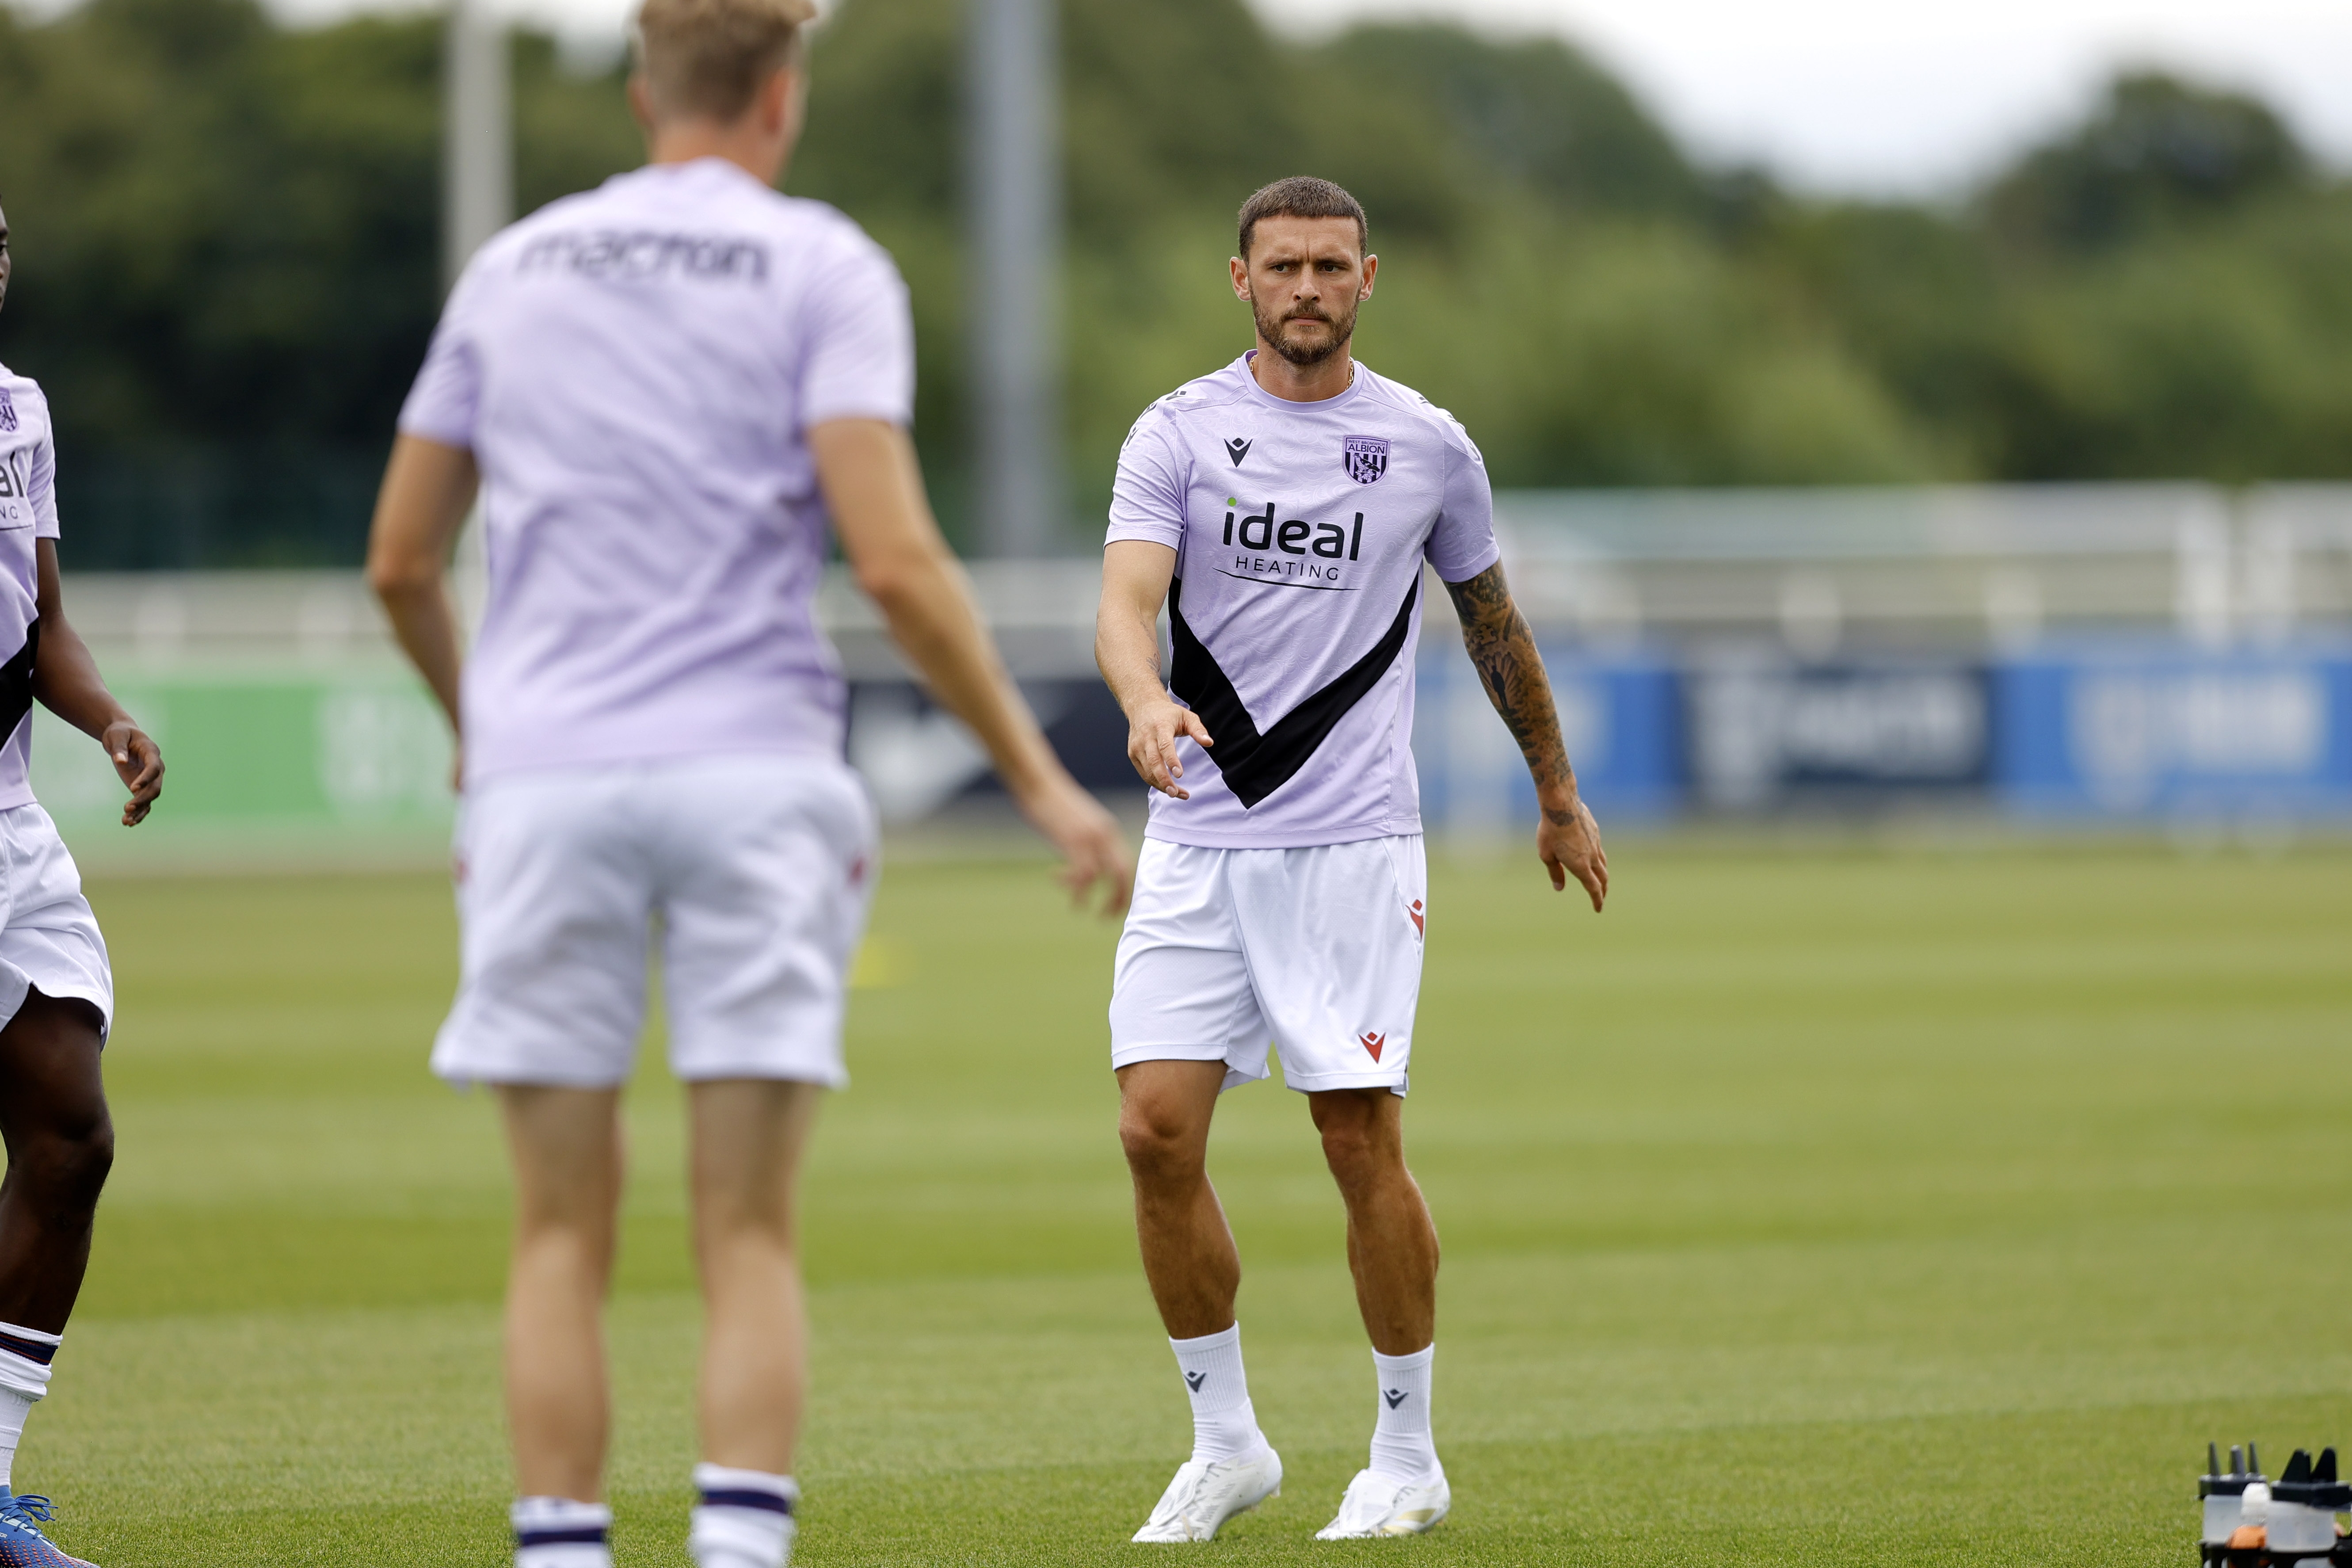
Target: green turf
(1807,1207)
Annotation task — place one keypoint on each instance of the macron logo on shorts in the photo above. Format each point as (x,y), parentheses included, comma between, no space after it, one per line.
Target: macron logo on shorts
(1372,1043)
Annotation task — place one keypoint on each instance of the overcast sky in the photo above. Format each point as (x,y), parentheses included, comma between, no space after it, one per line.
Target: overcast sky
(1909,96)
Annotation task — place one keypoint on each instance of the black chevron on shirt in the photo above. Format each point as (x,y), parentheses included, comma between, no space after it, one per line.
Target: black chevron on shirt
(16,680)
(1255,765)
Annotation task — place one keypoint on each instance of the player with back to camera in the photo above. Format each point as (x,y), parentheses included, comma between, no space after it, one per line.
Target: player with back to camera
(1281,509)
(664,388)
(57,989)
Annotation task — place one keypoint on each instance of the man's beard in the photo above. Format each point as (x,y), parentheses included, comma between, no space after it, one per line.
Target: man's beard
(1303,355)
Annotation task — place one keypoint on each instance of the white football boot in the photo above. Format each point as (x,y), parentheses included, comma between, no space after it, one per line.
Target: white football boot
(1381,1505)
(1204,1496)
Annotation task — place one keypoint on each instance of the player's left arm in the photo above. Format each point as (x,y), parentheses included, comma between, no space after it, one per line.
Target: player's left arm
(1503,648)
(66,682)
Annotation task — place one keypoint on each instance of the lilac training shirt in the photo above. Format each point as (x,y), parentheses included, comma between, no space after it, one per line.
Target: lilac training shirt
(29,510)
(636,370)
(1299,530)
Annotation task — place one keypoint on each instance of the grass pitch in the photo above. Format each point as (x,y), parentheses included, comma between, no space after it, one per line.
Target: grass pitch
(1842,1208)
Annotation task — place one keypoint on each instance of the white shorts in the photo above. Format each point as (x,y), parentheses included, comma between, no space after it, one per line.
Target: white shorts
(756,870)
(49,938)
(1316,951)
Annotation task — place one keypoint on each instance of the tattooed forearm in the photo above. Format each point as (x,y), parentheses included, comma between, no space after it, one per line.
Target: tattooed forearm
(1503,649)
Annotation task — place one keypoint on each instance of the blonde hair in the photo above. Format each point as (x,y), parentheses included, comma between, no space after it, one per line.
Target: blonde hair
(705,58)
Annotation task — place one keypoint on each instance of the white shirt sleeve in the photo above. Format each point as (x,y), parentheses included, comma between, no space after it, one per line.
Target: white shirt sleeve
(1462,543)
(1147,498)
(858,339)
(42,485)
(448,392)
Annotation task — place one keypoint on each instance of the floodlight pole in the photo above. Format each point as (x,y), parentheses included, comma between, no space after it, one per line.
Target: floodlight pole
(476,135)
(1013,104)
(477,201)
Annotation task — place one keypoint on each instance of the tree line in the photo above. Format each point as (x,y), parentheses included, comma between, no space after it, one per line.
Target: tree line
(228,260)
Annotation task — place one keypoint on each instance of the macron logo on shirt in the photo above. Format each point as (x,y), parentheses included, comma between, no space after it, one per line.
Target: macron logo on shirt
(635,255)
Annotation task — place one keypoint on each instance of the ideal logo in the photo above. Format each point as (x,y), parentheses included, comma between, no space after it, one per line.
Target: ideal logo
(1294,537)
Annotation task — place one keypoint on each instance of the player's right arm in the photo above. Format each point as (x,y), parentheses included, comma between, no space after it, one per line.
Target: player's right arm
(428,488)
(1135,575)
(875,492)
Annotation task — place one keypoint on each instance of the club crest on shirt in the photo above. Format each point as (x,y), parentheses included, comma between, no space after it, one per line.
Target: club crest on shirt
(8,412)
(1367,457)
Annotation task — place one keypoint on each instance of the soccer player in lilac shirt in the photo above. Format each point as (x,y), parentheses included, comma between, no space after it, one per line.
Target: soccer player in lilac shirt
(1281,510)
(666,389)
(57,984)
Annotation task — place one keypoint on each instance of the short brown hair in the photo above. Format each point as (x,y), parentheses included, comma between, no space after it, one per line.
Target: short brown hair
(705,58)
(1302,196)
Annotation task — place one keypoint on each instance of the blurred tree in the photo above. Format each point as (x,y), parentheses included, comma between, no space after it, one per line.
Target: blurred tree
(2159,151)
(225,234)
(1533,118)
(227,260)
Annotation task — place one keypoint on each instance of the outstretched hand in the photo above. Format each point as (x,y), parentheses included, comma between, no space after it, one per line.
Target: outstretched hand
(1152,736)
(1088,839)
(1569,840)
(139,761)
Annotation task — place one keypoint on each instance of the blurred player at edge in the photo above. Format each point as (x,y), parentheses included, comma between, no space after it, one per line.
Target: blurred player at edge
(55,987)
(1282,508)
(665,386)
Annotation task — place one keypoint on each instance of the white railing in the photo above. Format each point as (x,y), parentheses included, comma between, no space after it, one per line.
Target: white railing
(1957,566)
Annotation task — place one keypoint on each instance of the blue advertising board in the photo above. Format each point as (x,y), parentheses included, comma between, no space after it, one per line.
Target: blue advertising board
(1768,733)
(1619,715)
(2142,730)
(2084,729)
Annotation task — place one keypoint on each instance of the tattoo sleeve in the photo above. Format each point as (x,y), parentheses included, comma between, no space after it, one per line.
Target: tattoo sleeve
(1503,649)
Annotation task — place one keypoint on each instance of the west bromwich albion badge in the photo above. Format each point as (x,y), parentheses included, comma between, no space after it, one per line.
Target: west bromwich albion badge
(1367,457)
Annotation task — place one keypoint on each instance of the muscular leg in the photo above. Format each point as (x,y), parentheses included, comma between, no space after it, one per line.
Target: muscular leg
(1392,1243)
(60,1144)
(749,1136)
(1189,1257)
(566,1144)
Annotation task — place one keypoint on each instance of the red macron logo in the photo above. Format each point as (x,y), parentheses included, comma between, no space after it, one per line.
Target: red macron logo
(1373,1042)
(1417,925)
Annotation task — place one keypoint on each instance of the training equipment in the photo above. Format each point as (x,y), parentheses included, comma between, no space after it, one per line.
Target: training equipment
(1202,1497)
(2223,1494)
(2251,1521)
(22,1544)
(2303,1506)
(1382,1505)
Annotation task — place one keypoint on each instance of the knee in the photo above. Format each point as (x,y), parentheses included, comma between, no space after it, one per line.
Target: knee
(1159,1147)
(1359,1152)
(1350,1154)
(68,1164)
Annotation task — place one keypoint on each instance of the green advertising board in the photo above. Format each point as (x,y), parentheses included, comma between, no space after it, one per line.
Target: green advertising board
(343,764)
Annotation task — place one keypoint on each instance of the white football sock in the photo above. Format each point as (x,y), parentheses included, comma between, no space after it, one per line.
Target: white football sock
(559,1532)
(24,1356)
(1401,1445)
(745,1518)
(1224,1427)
